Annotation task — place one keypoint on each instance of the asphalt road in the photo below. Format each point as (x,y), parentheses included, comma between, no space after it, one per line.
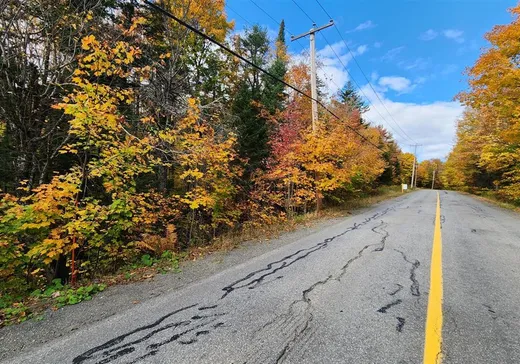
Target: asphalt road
(355,292)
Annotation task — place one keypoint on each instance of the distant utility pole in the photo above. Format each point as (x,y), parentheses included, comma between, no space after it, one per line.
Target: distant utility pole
(433,179)
(416,173)
(314,91)
(413,172)
(414,169)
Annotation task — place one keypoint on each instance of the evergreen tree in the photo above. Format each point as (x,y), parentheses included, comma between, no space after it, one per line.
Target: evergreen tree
(350,97)
(251,127)
(273,96)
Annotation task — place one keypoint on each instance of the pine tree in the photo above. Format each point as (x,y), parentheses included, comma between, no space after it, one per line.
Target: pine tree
(273,96)
(349,96)
(251,127)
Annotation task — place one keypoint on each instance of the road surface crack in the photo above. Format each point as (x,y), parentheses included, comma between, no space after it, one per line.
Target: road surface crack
(399,288)
(383,232)
(257,277)
(414,287)
(491,311)
(140,342)
(307,313)
(400,324)
(385,308)
(146,340)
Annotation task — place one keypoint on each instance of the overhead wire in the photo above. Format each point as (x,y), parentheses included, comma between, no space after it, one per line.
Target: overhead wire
(359,87)
(287,32)
(348,72)
(240,16)
(363,73)
(322,8)
(339,88)
(252,64)
(276,22)
(303,11)
(337,56)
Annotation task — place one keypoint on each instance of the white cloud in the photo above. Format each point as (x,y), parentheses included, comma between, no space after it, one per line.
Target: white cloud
(430,34)
(328,53)
(454,34)
(417,64)
(369,24)
(430,124)
(330,69)
(396,83)
(392,53)
(361,49)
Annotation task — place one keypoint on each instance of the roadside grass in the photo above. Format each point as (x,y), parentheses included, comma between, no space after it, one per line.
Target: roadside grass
(234,239)
(14,310)
(492,197)
(371,198)
(32,305)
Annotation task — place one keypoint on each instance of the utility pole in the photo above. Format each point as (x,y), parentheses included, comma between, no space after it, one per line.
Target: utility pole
(314,91)
(416,172)
(413,172)
(413,182)
(433,179)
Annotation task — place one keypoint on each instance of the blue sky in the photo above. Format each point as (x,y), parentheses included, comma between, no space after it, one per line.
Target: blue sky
(413,52)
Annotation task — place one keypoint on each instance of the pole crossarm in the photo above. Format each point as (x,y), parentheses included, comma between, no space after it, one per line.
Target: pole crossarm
(313,30)
(314,89)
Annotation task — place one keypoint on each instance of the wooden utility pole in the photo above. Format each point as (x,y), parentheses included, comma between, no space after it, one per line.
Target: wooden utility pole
(433,179)
(314,90)
(413,182)
(413,172)
(416,173)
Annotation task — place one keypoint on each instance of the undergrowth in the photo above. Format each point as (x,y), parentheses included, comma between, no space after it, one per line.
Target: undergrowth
(26,305)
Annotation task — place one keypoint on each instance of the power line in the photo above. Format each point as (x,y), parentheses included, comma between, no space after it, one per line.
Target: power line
(345,68)
(303,11)
(357,85)
(325,11)
(312,20)
(227,49)
(240,16)
(350,75)
(287,32)
(331,79)
(364,75)
(276,22)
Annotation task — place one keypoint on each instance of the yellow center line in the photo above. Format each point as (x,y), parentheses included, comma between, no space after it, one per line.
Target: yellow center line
(433,334)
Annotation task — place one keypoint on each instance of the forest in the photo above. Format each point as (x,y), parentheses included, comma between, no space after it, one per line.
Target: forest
(125,137)
(486,156)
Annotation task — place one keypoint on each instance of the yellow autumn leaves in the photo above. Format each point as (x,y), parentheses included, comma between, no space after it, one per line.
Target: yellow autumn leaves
(487,152)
